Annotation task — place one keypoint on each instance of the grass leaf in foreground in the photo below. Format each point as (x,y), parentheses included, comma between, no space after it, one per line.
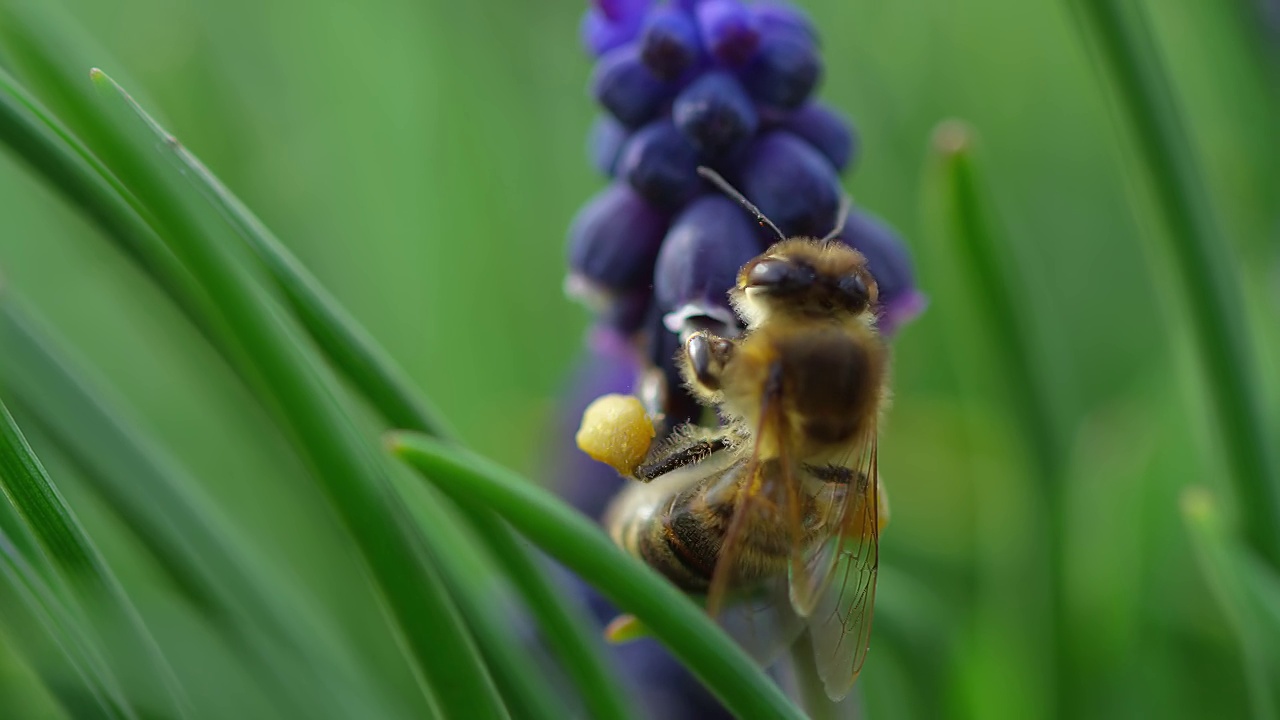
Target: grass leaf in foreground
(282,368)
(75,561)
(254,605)
(578,543)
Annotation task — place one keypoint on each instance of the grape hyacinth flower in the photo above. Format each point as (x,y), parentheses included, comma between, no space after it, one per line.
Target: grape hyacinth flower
(727,84)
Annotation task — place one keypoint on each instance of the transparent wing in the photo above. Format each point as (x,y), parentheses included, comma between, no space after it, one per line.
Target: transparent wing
(764,626)
(767,520)
(840,624)
(827,507)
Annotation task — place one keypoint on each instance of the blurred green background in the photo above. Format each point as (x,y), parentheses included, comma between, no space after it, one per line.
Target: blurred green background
(424,160)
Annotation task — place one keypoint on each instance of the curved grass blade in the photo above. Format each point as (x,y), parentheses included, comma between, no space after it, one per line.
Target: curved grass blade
(282,368)
(1119,33)
(527,693)
(188,535)
(1222,564)
(69,167)
(75,560)
(991,286)
(51,151)
(572,640)
(387,389)
(346,344)
(578,543)
(36,616)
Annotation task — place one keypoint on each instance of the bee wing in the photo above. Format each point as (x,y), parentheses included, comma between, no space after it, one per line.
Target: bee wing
(765,626)
(765,493)
(841,620)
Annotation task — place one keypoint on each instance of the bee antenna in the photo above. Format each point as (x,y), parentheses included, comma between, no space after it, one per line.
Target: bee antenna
(729,190)
(846,204)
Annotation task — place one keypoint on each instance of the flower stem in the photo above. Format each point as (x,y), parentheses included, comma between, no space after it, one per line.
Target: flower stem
(1121,38)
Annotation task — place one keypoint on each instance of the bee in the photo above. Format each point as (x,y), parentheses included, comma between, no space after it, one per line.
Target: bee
(780,508)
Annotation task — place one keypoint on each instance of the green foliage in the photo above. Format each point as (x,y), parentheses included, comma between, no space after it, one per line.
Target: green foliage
(199,518)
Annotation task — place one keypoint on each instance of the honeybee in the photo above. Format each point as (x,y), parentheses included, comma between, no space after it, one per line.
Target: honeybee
(779,509)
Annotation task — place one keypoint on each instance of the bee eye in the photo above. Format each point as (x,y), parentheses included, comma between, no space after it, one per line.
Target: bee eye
(854,288)
(778,275)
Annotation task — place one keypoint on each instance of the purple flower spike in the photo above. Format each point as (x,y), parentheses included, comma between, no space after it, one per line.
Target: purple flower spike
(605,142)
(670,45)
(729,30)
(627,88)
(699,261)
(613,243)
(784,71)
(890,264)
(792,184)
(782,16)
(715,113)
(826,130)
(612,23)
(660,164)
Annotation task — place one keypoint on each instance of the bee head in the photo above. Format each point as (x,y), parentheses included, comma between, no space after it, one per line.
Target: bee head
(812,278)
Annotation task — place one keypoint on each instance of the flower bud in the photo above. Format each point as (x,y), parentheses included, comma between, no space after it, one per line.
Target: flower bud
(707,244)
(670,44)
(714,113)
(624,86)
(660,164)
(792,184)
(613,242)
(826,130)
(730,32)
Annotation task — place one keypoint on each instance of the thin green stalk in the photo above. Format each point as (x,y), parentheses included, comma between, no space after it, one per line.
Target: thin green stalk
(385,386)
(79,565)
(1222,565)
(578,543)
(526,690)
(1119,33)
(189,536)
(998,296)
(70,168)
(52,152)
(574,641)
(273,354)
(347,344)
(41,616)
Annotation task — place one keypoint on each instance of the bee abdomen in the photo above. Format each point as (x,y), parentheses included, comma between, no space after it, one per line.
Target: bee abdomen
(683,543)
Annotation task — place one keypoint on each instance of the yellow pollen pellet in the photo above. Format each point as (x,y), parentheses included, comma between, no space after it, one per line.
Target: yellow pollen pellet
(616,431)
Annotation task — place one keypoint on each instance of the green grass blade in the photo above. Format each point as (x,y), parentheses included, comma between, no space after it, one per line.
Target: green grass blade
(1222,564)
(346,344)
(527,691)
(78,562)
(188,535)
(578,543)
(282,368)
(36,616)
(384,385)
(986,277)
(70,168)
(574,641)
(52,152)
(1120,35)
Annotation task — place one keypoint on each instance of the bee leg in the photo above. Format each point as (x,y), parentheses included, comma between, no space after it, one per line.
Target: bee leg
(703,361)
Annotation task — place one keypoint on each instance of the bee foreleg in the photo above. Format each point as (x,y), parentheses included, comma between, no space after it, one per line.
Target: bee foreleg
(702,363)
